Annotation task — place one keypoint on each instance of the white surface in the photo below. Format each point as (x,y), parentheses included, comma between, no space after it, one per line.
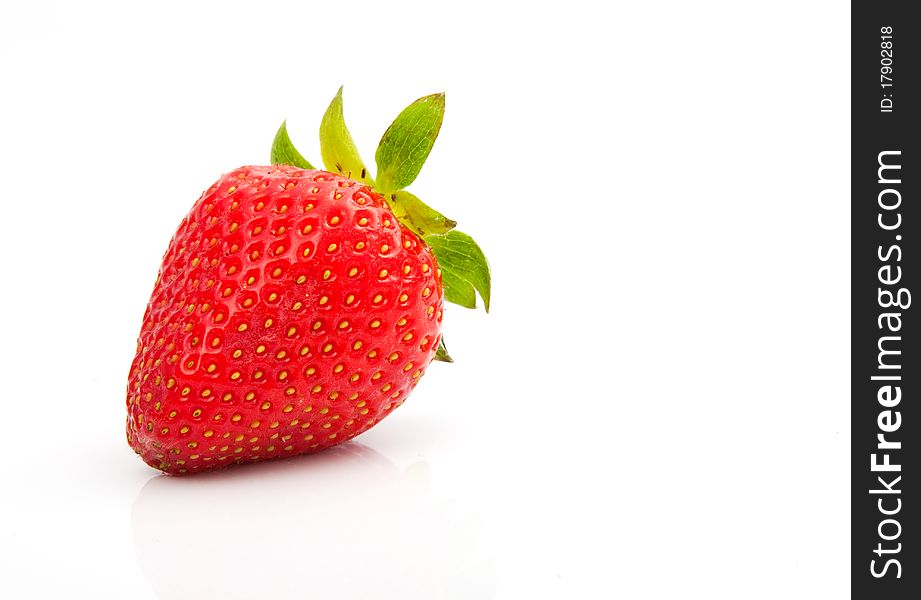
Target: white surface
(657,405)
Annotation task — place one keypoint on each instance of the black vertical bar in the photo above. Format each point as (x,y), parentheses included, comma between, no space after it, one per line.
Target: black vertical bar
(885,371)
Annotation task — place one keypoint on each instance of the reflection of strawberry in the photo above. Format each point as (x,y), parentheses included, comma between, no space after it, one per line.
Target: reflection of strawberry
(350,523)
(294,309)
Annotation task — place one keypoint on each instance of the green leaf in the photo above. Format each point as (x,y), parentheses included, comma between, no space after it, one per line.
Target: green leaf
(417,215)
(407,143)
(457,289)
(463,267)
(284,152)
(442,352)
(336,146)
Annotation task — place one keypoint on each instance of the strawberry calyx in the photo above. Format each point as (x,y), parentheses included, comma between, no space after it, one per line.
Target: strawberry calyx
(284,152)
(442,352)
(402,151)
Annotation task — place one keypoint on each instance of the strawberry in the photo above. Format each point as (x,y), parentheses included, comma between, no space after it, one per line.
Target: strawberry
(295,308)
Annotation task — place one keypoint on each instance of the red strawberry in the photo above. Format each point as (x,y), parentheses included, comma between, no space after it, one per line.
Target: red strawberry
(293,311)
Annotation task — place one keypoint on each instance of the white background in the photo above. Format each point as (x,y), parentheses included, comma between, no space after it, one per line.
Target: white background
(656,405)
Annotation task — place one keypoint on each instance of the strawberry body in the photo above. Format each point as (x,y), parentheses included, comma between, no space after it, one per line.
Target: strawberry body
(292,312)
